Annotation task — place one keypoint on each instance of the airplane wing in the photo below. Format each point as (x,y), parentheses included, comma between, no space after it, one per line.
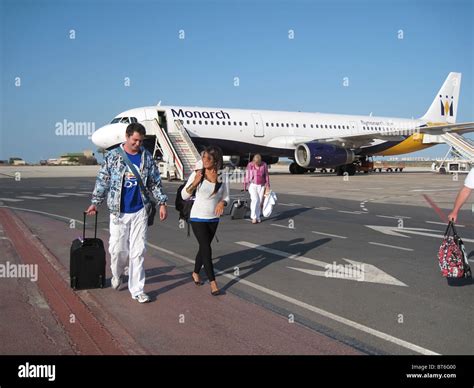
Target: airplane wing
(355,141)
(364,139)
(439,129)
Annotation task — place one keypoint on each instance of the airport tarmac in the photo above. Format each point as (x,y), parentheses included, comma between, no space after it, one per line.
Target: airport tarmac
(382,229)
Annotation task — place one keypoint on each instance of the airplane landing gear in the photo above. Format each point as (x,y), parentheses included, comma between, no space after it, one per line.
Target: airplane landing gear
(350,169)
(297,169)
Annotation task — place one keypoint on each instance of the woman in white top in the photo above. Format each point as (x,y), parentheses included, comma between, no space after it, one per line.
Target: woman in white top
(211,189)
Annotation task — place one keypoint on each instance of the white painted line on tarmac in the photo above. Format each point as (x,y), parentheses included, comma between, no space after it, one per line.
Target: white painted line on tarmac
(394,217)
(11,200)
(314,309)
(45,213)
(74,194)
(350,212)
(322,208)
(443,223)
(290,204)
(391,246)
(282,226)
(52,196)
(328,234)
(29,197)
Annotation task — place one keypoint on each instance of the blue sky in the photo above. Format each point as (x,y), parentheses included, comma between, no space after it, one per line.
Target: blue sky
(82,79)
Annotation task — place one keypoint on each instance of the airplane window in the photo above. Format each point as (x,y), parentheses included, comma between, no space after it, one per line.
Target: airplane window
(311,125)
(287,125)
(194,121)
(330,127)
(182,121)
(217,122)
(338,127)
(240,123)
(125,120)
(223,123)
(326,126)
(205,122)
(296,125)
(266,124)
(245,123)
(272,124)
(116,120)
(304,125)
(187,121)
(292,125)
(229,123)
(277,124)
(235,123)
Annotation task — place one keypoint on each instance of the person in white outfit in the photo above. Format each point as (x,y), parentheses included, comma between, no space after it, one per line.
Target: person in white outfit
(257,182)
(462,196)
(210,187)
(129,207)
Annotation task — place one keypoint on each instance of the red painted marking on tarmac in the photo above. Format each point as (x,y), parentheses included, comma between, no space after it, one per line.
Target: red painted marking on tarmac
(436,208)
(87,334)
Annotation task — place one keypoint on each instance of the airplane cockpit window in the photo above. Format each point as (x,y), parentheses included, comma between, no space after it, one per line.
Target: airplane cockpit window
(124,120)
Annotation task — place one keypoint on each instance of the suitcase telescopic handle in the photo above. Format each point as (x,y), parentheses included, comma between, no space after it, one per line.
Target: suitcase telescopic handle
(84,226)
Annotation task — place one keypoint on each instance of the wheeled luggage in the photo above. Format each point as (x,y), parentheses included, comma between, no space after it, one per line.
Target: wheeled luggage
(87,261)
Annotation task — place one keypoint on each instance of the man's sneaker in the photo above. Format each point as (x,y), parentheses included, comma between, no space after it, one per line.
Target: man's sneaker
(142,298)
(116,282)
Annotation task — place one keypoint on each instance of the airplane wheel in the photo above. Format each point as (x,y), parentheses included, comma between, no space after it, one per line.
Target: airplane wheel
(351,169)
(293,168)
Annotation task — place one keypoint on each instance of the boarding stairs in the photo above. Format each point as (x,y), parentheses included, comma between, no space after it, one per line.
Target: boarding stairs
(175,146)
(462,145)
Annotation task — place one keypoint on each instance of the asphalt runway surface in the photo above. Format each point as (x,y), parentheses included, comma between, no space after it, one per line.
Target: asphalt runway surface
(362,272)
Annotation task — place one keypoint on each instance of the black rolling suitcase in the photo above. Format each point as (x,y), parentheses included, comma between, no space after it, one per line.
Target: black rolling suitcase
(239,209)
(87,261)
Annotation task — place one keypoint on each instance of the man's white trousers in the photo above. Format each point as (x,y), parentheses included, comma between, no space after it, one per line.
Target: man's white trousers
(127,240)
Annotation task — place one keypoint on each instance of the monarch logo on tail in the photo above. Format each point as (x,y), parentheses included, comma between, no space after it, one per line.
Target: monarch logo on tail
(447,106)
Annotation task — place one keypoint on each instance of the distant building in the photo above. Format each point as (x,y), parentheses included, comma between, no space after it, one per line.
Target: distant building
(77,158)
(17,162)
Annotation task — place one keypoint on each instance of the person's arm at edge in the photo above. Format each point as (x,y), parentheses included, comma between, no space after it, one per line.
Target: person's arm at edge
(461,199)
(102,186)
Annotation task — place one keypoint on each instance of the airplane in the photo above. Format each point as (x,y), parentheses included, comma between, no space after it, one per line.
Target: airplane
(310,140)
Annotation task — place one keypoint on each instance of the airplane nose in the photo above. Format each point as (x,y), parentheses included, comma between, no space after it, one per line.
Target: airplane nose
(109,135)
(97,137)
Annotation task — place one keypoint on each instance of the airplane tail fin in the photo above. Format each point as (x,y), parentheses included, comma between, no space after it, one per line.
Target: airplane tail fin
(445,104)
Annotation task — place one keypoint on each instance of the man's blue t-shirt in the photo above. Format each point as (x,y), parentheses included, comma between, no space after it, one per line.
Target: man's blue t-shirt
(131,200)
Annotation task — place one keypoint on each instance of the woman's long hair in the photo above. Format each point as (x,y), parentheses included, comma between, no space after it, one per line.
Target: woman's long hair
(218,161)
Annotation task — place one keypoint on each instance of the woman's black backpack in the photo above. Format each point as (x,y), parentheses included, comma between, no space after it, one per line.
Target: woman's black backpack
(183,206)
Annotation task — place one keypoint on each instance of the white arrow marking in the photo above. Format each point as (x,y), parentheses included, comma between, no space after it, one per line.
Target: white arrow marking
(368,273)
(395,231)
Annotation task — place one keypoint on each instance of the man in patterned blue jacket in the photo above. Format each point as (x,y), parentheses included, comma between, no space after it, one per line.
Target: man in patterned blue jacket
(129,207)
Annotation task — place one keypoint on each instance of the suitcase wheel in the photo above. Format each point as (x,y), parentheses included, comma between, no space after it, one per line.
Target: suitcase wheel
(74,283)
(101,282)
